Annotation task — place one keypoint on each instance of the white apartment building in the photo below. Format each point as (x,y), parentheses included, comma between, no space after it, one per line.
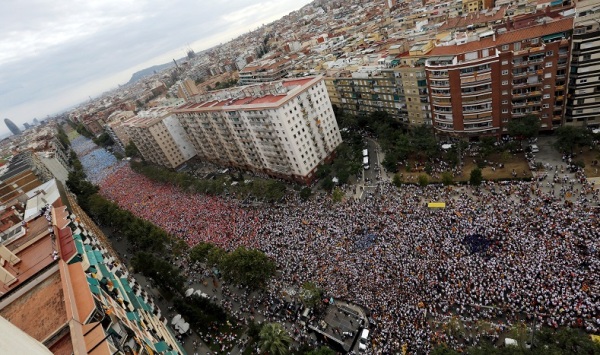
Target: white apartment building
(583,99)
(282,129)
(160,138)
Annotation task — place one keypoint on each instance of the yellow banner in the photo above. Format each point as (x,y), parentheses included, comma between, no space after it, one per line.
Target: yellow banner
(436,205)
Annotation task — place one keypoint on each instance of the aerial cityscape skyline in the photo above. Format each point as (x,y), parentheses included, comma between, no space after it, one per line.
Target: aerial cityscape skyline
(54,57)
(364,177)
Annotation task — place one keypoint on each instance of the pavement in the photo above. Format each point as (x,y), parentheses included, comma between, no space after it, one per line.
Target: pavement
(56,168)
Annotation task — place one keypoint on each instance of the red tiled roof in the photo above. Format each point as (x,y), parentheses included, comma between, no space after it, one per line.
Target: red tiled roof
(473,19)
(67,244)
(267,99)
(297,81)
(505,38)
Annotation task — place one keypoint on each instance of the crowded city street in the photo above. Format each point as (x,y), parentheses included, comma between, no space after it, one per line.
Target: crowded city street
(501,253)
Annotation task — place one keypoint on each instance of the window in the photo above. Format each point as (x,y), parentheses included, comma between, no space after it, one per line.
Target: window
(505,47)
(545,106)
(505,72)
(546,86)
(504,110)
(546,96)
(504,82)
(504,92)
(548,64)
(587,56)
(505,62)
(504,102)
(549,53)
(534,40)
(548,75)
(517,46)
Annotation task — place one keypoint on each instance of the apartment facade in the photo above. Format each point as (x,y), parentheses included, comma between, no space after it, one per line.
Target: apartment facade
(61,286)
(283,129)
(186,89)
(368,90)
(265,70)
(412,87)
(160,138)
(583,102)
(476,88)
(116,129)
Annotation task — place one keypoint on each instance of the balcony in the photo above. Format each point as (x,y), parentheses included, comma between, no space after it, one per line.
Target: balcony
(479,129)
(442,102)
(445,94)
(476,78)
(442,110)
(482,100)
(438,74)
(444,129)
(478,92)
(477,115)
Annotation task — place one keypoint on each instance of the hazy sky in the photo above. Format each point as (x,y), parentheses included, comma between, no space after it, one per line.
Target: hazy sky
(54,54)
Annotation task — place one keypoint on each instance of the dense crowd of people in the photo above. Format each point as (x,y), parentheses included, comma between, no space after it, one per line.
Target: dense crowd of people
(193,217)
(499,254)
(98,163)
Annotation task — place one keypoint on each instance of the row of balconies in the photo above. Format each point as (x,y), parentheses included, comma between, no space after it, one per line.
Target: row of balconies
(475,72)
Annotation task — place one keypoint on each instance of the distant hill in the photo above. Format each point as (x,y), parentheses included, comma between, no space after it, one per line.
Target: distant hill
(149,71)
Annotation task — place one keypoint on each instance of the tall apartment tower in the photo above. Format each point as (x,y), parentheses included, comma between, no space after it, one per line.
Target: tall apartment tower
(478,86)
(583,103)
(160,138)
(281,129)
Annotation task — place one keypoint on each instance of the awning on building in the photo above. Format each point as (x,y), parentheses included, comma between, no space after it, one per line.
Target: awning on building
(553,37)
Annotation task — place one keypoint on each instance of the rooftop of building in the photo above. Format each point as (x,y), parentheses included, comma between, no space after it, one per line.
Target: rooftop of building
(262,95)
(473,19)
(40,311)
(35,249)
(548,28)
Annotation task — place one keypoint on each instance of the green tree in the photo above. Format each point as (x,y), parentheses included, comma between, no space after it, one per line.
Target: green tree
(327,184)
(523,128)
(166,276)
(337,195)
(423,180)
(487,146)
(310,294)
(248,267)
(216,256)
(447,178)
(565,341)
(103,140)
(274,339)
(254,330)
(443,350)
(200,252)
(569,137)
(305,193)
(131,150)
(476,177)
(200,312)
(423,142)
(397,180)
